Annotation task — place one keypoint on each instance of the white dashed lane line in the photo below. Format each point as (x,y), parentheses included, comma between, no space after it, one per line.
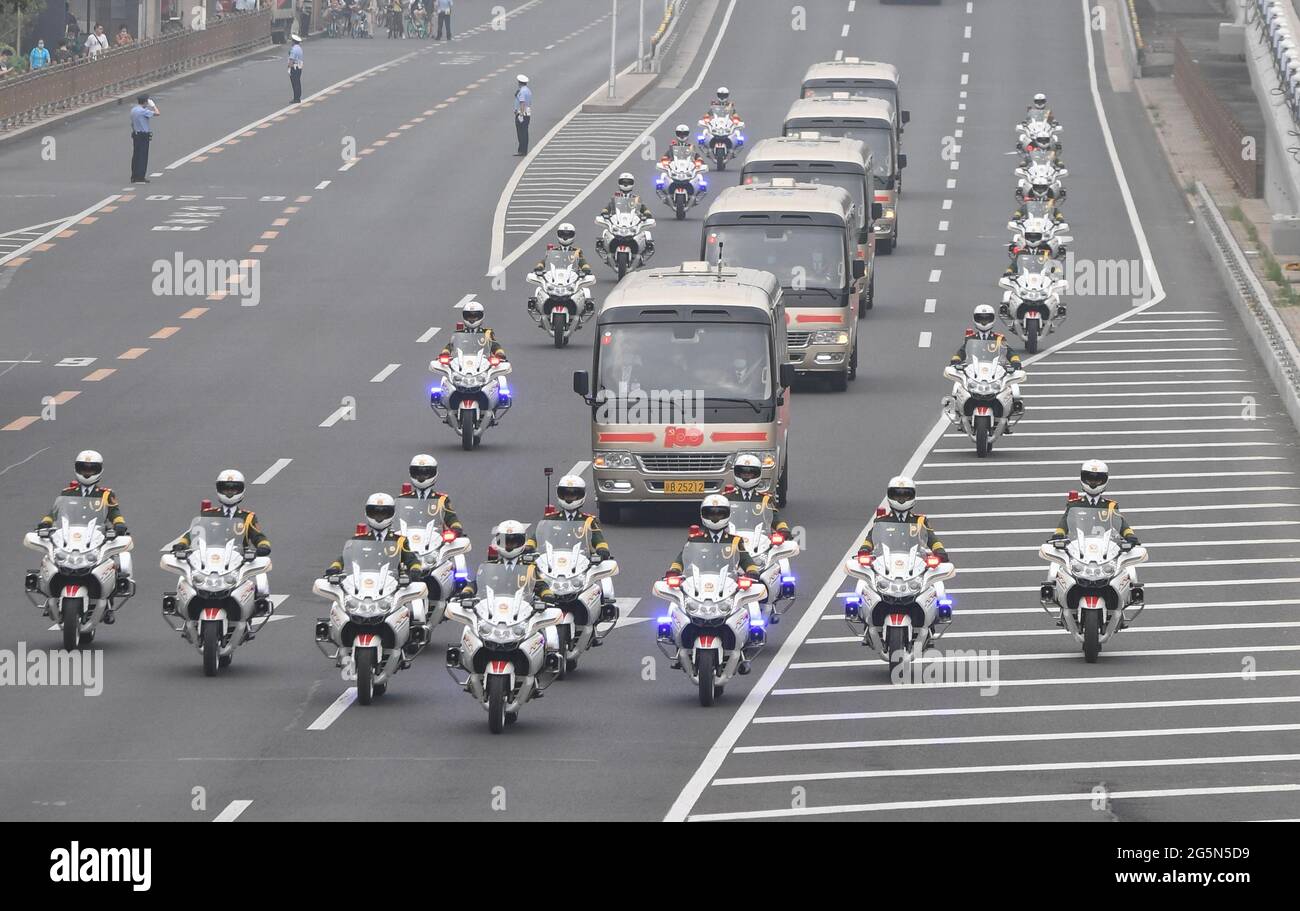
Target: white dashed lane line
(385,373)
(266,476)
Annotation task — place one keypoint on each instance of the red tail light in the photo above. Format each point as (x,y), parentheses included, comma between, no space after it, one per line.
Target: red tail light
(449,534)
(444,358)
(361,528)
(778,538)
(932,560)
(744,582)
(865,559)
(494,360)
(205,505)
(407,489)
(881,512)
(673,581)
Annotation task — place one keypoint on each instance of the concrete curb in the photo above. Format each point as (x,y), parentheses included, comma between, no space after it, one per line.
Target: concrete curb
(1263,325)
(1129,41)
(637,84)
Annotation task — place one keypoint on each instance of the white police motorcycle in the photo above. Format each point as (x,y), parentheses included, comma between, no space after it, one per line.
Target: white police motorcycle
(439,549)
(472,393)
(751,521)
(562,301)
(85,570)
(625,242)
(983,388)
(1031,303)
(565,561)
(681,183)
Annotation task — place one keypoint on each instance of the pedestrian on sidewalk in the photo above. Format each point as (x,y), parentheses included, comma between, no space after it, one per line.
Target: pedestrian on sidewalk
(141,135)
(96,42)
(40,55)
(443,8)
(523,114)
(295,68)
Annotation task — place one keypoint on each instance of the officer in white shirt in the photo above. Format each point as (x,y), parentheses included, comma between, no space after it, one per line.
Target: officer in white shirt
(523,114)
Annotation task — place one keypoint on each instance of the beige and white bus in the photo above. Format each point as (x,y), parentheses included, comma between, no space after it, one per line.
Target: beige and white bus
(860,79)
(831,160)
(871,120)
(689,372)
(804,234)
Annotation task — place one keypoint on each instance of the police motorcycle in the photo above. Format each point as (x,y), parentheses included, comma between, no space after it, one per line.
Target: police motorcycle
(222,596)
(982,394)
(1031,303)
(562,301)
(85,569)
(708,630)
(682,182)
(623,240)
(574,574)
(370,618)
(720,135)
(439,549)
(507,649)
(472,393)
(1092,579)
(899,606)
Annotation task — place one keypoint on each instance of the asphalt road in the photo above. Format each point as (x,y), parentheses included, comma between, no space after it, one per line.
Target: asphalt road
(357,270)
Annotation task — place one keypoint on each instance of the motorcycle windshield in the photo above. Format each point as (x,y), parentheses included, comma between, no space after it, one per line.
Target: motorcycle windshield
(983,350)
(420,522)
(896,536)
(560,259)
(468,344)
(81,511)
(709,558)
(503,581)
(371,557)
(1093,522)
(683,153)
(749,515)
(210,533)
(1038,209)
(561,534)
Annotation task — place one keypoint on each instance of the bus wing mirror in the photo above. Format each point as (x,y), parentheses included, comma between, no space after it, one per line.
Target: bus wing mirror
(581,383)
(906,116)
(902,162)
(787,376)
(859,268)
(877,210)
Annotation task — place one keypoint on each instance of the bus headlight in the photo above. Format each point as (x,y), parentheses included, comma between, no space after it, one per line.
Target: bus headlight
(830,337)
(616,459)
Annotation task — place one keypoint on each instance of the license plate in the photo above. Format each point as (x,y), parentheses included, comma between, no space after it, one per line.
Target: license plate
(683,487)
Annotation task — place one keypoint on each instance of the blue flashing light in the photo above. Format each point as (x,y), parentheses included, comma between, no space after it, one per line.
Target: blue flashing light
(460,576)
(435,393)
(789,578)
(945,602)
(759,623)
(702,137)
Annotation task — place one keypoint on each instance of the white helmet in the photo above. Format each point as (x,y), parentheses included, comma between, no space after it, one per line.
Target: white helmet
(379,511)
(901,494)
(1093,477)
(424,471)
(512,539)
(566,234)
(1040,101)
(522,79)
(472,314)
(983,317)
(748,471)
(683,131)
(230,487)
(723,93)
(89,466)
(571,492)
(626,182)
(715,512)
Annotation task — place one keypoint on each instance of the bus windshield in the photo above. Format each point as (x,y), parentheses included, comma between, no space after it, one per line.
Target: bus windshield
(806,256)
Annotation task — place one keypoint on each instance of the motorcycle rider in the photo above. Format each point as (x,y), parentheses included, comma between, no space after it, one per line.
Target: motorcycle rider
(512,546)
(565,235)
(626,185)
(424,473)
(983,318)
(715,517)
(723,101)
(471,320)
(1039,108)
(1093,475)
(681,137)
(748,472)
(571,495)
(900,498)
(88,468)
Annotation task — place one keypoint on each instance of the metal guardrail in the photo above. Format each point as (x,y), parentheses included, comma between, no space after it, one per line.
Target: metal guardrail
(1217,123)
(29,98)
(1274,22)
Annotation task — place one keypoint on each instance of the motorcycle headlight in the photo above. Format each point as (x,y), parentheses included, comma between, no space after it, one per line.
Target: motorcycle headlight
(1078,567)
(616,459)
(705,610)
(830,337)
(914,585)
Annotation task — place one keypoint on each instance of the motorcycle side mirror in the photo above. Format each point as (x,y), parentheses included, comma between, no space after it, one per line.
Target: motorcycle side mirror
(877,210)
(902,162)
(582,383)
(787,375)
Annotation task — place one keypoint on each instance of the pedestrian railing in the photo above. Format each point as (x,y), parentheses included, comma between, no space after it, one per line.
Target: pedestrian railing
(1223,131)
(52,90)
(1273,20)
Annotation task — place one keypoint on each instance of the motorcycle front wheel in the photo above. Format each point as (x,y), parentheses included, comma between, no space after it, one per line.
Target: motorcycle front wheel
(498,686)
(557,328)
(366,676)
(681,209)
(211,637)
(71,625)
(982,437)
(1091,635)
(1031,336)
(467,432)
(707,669)
(895,646)
(562,633)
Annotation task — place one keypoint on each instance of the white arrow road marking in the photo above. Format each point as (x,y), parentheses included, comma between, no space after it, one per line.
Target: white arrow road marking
(625,608)
(266,476)
(233,810)
(337,708)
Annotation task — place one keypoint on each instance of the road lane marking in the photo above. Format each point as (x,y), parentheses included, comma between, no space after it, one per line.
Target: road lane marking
(166,332)
(266,476)
(579,468)
(337,416)
(100,374)
(233,810)
(930,304)
(194,312)
(337,708)
(323,184)
(385,373)
(924,340)
(61,229)
(427,335)
(131,354)
(21,423)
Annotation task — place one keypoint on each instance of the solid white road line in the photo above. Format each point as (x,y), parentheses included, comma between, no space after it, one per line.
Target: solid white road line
(233,810)
(1127,493)
(1039,681)
(1015,767)
(58,228)
(266,476)
(1162,461)
(1083,797)
(337,708)
(385,373)
(933,482)
(1044,656)
(1163,545)
(1027,709)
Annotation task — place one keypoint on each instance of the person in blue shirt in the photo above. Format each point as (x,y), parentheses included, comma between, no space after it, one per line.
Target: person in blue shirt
(141,134)
(443,9)
(523,114)
(40,55)
(295,68)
